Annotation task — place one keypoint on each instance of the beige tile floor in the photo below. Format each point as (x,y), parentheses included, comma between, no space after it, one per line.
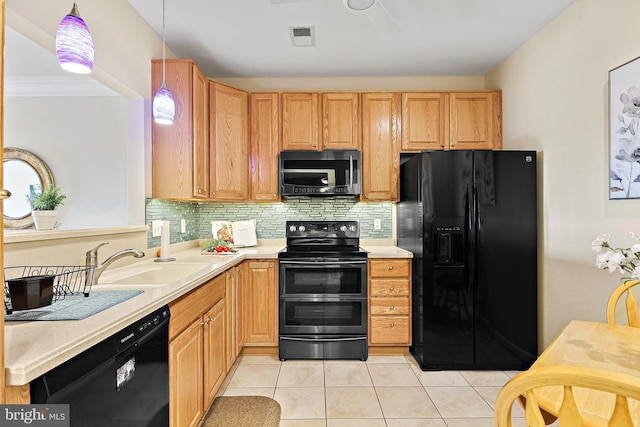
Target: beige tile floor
(387,391)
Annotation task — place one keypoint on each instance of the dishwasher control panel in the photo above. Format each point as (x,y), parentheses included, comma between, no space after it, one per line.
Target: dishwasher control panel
(142,327)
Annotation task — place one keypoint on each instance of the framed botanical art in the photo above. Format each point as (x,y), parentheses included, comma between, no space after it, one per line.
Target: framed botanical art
(624,131)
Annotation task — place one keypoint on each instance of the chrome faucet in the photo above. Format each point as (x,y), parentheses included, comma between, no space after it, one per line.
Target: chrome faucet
(92,260)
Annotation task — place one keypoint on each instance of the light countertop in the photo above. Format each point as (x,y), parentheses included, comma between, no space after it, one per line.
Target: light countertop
(34,347)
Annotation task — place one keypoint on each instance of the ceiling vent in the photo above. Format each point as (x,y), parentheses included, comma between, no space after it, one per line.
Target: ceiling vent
(303,36)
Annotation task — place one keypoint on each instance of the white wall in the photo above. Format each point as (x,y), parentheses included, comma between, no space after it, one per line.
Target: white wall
(555,100)
(85,143)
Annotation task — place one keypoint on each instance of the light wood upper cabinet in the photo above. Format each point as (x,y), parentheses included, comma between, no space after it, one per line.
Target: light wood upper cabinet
(265,146)
(425,121)
(340,121)
(451,121)
(380,146)
(475,120)
(300,121)
(180,150)
(228,143)
(260,304)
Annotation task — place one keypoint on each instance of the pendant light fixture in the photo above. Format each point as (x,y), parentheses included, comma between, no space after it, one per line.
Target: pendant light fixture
(164,107)
(74,46)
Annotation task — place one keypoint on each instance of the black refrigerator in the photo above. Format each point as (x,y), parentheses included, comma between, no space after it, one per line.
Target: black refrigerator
(470,219)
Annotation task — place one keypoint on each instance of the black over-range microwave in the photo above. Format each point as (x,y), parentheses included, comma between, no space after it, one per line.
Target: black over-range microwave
(320,173)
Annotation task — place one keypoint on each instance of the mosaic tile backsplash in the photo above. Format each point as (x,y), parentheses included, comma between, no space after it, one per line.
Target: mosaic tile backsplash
(270,217)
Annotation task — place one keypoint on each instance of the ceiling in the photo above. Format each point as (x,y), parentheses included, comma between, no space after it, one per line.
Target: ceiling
(251,38)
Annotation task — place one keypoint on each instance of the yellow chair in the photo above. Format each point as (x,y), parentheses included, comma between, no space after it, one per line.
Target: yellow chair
(610,408)
(630,302)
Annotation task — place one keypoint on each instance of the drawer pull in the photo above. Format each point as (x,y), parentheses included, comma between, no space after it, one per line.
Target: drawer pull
(391,267)
(391,288)
(392,307)
(392,324)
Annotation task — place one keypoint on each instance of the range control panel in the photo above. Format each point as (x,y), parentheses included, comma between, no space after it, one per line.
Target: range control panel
(324,229)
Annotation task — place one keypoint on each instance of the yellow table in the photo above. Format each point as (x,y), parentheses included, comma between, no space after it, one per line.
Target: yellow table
(594,345)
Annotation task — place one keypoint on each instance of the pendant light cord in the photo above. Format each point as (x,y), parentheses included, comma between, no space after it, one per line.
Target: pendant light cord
(163,44)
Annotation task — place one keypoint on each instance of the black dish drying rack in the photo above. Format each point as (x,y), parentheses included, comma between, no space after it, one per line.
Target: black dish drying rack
(67,280)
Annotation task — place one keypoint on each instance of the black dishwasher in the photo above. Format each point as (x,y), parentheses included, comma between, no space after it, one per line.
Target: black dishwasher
(122,381)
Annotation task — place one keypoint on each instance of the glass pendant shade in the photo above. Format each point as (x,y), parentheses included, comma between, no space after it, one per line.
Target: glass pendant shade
(74,45)
(164,107)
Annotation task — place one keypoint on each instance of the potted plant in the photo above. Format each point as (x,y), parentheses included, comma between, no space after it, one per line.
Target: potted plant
(43,206)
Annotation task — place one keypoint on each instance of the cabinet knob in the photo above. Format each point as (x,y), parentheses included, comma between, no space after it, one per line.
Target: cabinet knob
(204,323)
(391,288)
(392,307)
(392,324)
(199,190)
(391,267)
(270,265)
(5,194)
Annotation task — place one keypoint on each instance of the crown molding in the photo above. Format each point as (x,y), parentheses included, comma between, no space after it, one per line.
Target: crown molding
(35,86)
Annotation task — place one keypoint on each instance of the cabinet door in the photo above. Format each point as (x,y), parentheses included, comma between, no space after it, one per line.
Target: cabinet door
(230,315)
(261,304)
(214,351)
(173,145)
(228,143)
(340,121)
(239,301)
(472,121)
(265,146)
(380,146)
(300,118)
(186,403)
(425,121)
(200,135)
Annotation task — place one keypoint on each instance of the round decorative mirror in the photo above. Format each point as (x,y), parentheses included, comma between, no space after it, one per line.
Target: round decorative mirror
(21,170)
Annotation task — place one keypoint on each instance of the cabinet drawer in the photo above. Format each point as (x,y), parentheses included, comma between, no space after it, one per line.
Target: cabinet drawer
(389,268)
(194,304)
(389,306)
(390,287)
(390,330)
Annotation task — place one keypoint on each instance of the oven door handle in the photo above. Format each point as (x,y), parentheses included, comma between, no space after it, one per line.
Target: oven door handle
(323,339)
(325,263)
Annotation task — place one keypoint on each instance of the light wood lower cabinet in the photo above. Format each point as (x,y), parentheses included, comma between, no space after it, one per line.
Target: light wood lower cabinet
(234,339)
(215,366)
(197,362)
(186,367)
(260,303)
(390,302)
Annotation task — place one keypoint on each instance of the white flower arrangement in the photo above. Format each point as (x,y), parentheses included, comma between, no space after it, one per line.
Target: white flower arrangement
(617,259)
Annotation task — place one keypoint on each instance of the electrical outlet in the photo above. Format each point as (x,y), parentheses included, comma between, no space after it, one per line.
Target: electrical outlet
(156,228)
(183,226)
(377,224)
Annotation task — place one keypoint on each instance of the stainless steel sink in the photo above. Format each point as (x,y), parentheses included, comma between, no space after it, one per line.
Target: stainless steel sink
(152,275)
